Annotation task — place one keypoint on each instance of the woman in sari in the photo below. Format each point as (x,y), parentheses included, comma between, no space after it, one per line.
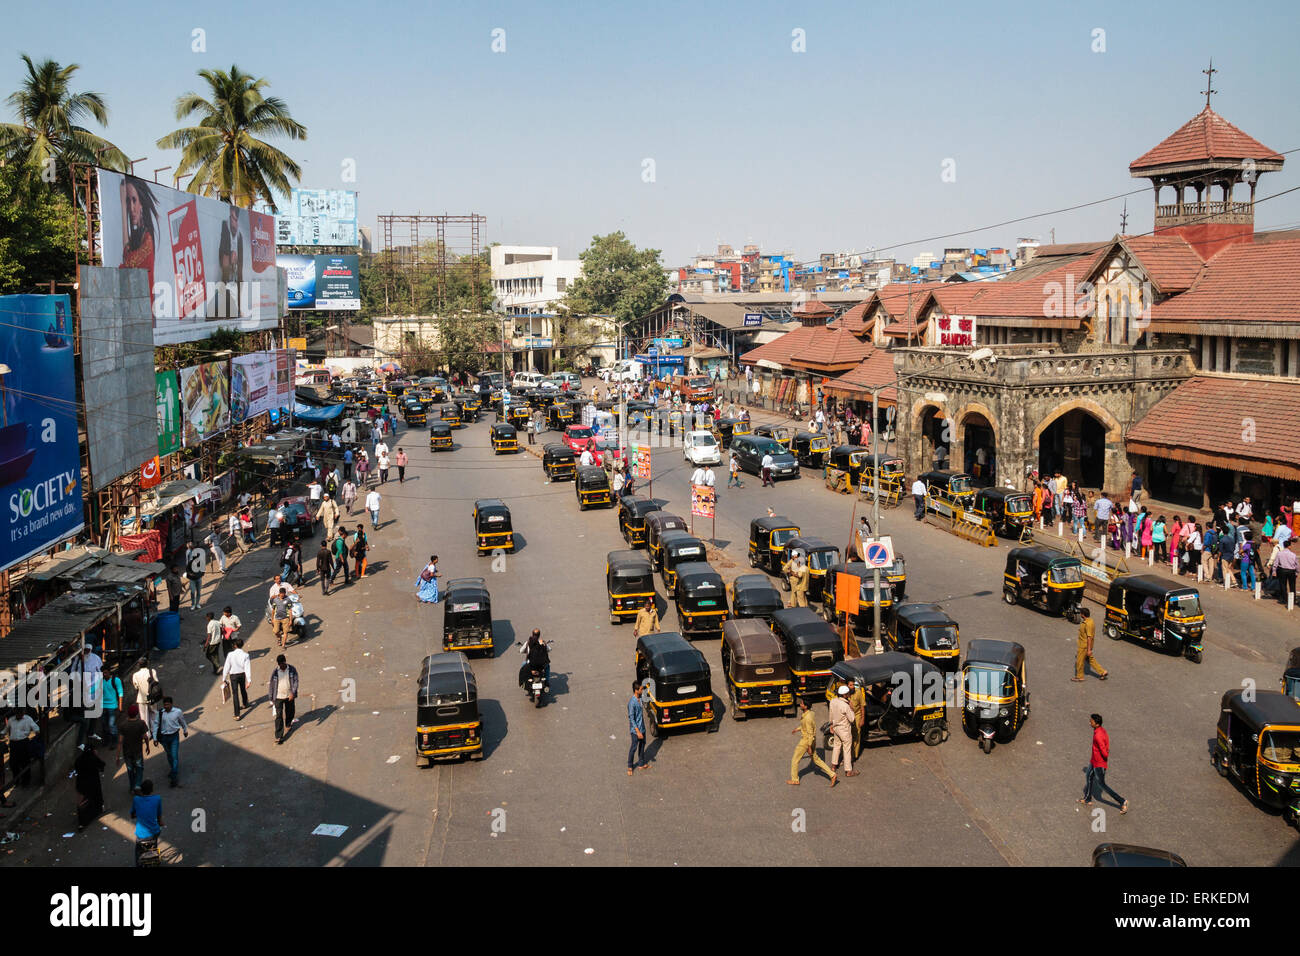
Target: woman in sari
(90,785)
(426,585)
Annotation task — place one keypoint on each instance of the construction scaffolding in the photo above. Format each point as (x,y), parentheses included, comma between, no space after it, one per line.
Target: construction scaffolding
(430,245)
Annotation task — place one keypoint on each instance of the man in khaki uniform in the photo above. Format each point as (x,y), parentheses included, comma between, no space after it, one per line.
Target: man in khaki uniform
(647,620)
(807,746)
(842,731)
(1083,656)
(858,701)
(799,582)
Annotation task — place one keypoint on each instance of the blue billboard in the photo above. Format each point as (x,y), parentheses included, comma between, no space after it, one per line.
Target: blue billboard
(323,282)
(40,457)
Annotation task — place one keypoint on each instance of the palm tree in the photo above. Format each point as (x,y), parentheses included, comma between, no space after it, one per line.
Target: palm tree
(48,128)
(228,159)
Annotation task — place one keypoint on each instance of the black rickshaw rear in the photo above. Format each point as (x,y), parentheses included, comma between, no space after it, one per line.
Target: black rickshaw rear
(811,647)
(447,721)
(754,595)
(676,678)
(755,668)
(467,616)
(677,547)
(591,485)
(658,523)
(493,528)
(701,599)
(632,510)
(440,438)
(629,583)
(504,438)
(558,462)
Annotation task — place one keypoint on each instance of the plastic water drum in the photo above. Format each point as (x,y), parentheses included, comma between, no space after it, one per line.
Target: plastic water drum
(169,630)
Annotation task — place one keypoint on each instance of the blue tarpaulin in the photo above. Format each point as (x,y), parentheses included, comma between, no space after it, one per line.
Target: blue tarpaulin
(308,413)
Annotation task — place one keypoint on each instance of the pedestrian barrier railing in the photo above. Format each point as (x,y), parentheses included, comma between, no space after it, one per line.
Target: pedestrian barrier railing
(891,492)
(1100,566)
(971,525)
(837,480)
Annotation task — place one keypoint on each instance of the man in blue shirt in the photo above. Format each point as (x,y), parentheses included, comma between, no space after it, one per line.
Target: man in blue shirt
(1104,507)
(146,808)
(636,727)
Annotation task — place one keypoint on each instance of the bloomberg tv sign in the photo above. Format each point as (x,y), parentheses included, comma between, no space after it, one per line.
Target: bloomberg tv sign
(323,283)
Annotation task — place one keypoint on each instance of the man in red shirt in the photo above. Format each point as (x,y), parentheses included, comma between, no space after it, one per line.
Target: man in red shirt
(1097,767)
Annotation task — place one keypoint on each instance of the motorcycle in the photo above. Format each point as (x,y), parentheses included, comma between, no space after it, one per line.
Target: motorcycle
(533,681)
(296,612)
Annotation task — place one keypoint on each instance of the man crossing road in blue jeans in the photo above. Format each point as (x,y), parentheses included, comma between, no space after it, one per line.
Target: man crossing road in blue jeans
(1096,778)
(636,727)
(168,726)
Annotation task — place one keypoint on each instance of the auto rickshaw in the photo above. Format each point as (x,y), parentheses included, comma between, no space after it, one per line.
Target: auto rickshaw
(896,575)
(701,599)
(632,510)
(629,581)
(468,407)
(678,692)
(1125,855)
(752,595)
(504,438)
(1156,611)
(850,459)
(559,416)
(413,413)
(755,669)
(997,697)
(467,616)
(558,462)
(811,647)
(948,490)
(450,413)
(591,485)
(905,696)
(518,414)
(440,436)
(1291,676)
(781,434)
(819,554)
(677,547)
(864,621)
(888,467)
(729,428)
(1259,746)
(927,631)
(395,389)
(656,524)
(473,402)
(447,722)
(1009,512)
(810,449)
(492,526)
(767,540)
(1045,579)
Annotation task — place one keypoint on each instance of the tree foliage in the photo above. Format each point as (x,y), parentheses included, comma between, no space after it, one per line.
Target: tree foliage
(617,279)
(38,234)
(404,289)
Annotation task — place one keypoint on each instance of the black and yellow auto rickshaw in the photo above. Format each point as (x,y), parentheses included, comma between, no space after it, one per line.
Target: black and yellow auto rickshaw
(657,523)
(677,547)
(414,413)
(675,675)
(395,389)
(1009,512)
(1291,676)
(629,581)
(810,449)
(470,403)
(996,692)
(440,436)
(927,631)
(558,462)
(505,438)
(755,669)
(467,616)
(896,575)
(819,556)
(888,467)
(864,621)
(559,416)
(906,697)
(518,414)
(1045,579)
(729,428)
(450,413)
(1111,856)
(781,434)
(701,599)
(1259,746)
(811,647)
(447,722)
(947,491)
(591,485)
(492,527)
(1157,612)
(851,460)
(753,595)
(632,510)
(767,540)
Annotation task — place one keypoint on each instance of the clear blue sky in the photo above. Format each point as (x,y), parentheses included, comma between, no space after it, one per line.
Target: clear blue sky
(837,148)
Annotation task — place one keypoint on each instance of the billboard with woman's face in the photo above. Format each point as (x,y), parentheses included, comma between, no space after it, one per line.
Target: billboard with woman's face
(211,265)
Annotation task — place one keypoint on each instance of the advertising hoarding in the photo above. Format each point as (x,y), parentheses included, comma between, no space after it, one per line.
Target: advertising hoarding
(324,282)
(211,265)
(258,383)
(205,401)
(318,217)
(167,394)
(40,455)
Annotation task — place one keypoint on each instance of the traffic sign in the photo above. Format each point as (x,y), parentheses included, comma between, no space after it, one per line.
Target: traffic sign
(878,552)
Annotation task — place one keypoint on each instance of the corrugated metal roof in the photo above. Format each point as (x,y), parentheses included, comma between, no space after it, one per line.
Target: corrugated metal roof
(32,641)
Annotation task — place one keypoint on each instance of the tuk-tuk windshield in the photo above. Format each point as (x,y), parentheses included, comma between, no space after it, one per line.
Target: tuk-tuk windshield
(959,485)
(1280,746)
(821,560)
(1184,605)
(937,638)
(1018,504)
(632,582)
(1067,574)
(819,443)
(857,458)
(990,682)
(897,568)
(781,535)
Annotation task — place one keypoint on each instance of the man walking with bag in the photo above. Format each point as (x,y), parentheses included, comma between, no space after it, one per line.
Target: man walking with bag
(283,691)
(238,674)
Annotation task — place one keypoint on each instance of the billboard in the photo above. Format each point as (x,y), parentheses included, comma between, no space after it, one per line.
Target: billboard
(258,383)
(211,265)
(167,396)
(40,454)
(318,217)
(328,283)
(205,401)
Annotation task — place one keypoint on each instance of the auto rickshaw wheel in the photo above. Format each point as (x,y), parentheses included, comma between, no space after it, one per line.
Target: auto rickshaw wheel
(654,724)
(1220,764)
(422,761)
(1194,657)
(785,584)
(986,744)
(753,560)
(477,754)
(615,619)
(1009,596)
(1113,632)
(1072,615)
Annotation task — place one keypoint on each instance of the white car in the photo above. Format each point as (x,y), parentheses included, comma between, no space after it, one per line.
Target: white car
(624,370)
(526,379)
(701,448)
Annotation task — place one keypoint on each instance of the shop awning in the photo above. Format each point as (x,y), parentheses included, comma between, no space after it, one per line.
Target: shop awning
(307,413)
(94,565)
(34,641)
(172,493)
(1238,424)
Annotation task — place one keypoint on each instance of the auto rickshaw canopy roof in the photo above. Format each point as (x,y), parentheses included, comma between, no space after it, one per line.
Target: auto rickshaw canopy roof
(988,652)
(749,641)
(1149,584)
(665,521)
(1270,707)
(891,667)
(628,564)
(555,451)
(695,576)
(674,541)
(806,628)
(467,589)
(447,675)
(809,545)
(638,505)
(840,453)
(672,656)
(592,476)
(1040,559)
(922,615)
(942,476)
(440,429)
(504,430)
(809,437)
(768,524)
(754,589)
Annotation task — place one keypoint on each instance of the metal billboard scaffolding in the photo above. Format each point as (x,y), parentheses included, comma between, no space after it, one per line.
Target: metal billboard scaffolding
(415,244)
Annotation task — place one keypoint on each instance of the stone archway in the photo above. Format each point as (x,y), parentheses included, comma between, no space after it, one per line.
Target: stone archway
(931,424)
(976,428)
(1081,439)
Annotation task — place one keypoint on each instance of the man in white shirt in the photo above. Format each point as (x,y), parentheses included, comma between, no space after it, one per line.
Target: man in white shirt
(381,448)
(918,496)
(274,518)
(586,457)
(277,586)
(335,440)
(703,475)
(314,490)
(1244,510)
(820,419)
(372,505)
(238,673)
(766,468)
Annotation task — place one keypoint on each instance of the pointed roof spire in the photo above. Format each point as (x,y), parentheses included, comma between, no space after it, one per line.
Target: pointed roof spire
(1209,78)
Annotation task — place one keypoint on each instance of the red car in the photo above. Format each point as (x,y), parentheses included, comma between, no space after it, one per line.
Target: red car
(299,516)
(610,445)
(577,437)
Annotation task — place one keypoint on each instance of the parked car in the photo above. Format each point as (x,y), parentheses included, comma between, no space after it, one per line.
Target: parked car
(624,370)
(561,378)
(750,450)
(702,448)
(299,516)
(527,380)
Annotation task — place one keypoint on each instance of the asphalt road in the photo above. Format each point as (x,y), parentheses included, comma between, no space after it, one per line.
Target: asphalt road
(553,787)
